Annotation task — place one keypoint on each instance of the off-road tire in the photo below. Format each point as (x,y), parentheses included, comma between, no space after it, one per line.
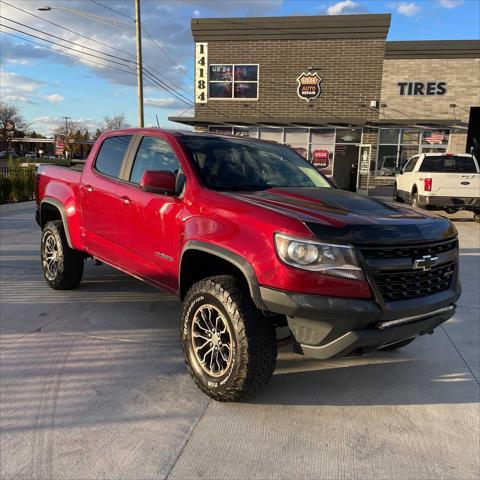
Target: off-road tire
(398,345)
(69,268)
(254,350)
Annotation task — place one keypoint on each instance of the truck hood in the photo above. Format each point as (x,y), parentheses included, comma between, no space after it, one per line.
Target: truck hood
(336,215)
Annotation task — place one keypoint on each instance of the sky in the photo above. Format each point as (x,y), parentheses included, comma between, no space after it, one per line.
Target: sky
(46,85)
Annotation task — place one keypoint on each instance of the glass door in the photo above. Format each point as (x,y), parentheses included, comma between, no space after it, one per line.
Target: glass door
(364,155)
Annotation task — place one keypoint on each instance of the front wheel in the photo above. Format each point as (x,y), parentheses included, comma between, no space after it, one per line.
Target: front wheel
(229,346)
(62,265)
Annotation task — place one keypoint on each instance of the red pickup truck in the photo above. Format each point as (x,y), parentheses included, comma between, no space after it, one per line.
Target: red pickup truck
(251,238)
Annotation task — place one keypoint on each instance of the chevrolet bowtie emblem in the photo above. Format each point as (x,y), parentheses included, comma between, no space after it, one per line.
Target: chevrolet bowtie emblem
(425,263)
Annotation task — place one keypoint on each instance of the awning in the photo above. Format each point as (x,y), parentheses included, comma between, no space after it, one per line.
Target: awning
(319,122)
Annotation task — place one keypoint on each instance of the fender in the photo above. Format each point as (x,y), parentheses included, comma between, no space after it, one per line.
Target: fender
(69,219)
(238,261)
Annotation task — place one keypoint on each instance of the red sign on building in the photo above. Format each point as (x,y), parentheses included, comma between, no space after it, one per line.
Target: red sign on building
(320,158)
(59,145)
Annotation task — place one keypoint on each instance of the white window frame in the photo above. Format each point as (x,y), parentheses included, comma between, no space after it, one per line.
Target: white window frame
(232,98)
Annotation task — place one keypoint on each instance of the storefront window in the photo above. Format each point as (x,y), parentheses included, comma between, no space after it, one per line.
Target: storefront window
(233,82)
(251,132)
(349,135)
(222,130)
(387,160)
(410,137)
(406,152)
(273,134)
(296,136)
(435,137)
(324,136)
(389,136)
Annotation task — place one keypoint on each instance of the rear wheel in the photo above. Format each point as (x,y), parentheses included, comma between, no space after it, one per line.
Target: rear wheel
(229,346)
(416,201)
(62,265)
(398,345)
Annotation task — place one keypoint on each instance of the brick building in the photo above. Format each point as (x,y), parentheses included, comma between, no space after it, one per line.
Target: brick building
(332,88)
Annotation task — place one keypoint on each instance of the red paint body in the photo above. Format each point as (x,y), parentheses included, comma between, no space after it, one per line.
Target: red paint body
(125,226)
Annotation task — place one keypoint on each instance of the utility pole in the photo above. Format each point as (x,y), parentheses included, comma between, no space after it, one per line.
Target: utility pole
(65,139)
(138,25)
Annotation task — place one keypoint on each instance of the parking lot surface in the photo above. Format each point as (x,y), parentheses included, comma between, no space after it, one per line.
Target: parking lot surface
(93,385)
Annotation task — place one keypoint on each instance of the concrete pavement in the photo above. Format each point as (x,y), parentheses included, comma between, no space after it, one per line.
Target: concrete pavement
(93,385)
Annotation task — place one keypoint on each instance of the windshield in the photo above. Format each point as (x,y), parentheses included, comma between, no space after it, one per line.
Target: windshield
(237,164)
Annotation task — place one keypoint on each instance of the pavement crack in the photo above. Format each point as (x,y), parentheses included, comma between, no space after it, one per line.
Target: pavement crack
(460,355)
(177,458)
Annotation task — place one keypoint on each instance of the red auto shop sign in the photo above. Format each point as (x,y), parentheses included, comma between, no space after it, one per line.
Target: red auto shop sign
(320,158)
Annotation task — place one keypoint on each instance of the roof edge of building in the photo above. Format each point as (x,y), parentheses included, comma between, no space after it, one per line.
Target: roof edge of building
(432,49)
(291,27)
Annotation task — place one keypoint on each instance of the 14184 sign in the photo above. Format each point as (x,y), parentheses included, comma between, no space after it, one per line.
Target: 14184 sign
(309,86)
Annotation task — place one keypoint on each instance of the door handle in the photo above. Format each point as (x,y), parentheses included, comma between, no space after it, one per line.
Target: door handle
(125,200)
(88,188)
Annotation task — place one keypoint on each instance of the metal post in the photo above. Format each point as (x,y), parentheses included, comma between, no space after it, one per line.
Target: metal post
(139,63)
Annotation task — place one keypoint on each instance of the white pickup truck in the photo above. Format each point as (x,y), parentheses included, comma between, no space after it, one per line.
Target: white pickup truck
(445,181)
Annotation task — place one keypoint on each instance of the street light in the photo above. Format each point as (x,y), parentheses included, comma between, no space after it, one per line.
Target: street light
(138,31)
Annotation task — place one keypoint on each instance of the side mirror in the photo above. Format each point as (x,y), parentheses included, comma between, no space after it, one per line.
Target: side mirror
(156,181)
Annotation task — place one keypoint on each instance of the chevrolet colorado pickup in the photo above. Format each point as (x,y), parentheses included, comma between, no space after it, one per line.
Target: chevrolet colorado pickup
(252,238)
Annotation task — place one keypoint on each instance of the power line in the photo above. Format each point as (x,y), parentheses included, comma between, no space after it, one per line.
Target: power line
(113,10)
(130,72)
(67,29)
(63,53)
(63,46)
(63,40)
(149,35)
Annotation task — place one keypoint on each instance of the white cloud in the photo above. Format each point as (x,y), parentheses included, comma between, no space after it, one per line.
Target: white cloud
(13,83)
(162,102)
(408,9)
(54,98)
(345,7)
(14,98)
(450,3)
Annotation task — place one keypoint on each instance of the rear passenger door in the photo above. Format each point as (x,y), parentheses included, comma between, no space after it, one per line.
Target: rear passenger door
(148,227)
(99,198)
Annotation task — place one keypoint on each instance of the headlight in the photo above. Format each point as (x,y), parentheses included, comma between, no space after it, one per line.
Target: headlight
(337,260)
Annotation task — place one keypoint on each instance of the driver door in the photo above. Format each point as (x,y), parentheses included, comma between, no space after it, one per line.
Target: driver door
(148,230)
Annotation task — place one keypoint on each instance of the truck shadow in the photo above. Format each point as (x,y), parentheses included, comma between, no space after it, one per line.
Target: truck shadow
(424,374)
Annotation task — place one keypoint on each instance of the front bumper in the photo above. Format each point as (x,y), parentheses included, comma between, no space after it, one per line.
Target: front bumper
(327,327)
(463,203)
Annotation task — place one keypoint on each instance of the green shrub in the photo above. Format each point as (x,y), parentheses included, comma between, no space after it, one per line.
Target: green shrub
(5,190)
(22,183)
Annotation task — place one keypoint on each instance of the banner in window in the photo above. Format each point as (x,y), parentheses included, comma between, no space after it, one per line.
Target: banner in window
(233,81)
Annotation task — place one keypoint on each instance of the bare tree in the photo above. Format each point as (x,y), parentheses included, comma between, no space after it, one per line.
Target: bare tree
(67,130)
(12,113)
(115,122)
